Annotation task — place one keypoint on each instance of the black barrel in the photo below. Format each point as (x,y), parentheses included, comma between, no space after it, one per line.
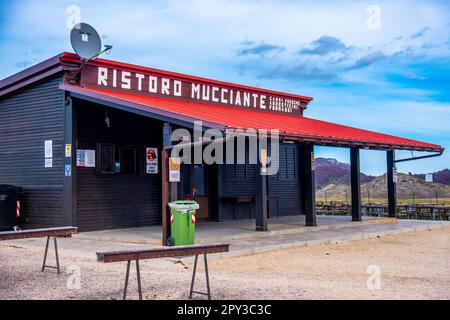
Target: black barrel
(9,195)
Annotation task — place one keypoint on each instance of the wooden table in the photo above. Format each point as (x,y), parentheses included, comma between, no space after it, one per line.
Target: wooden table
(238,200)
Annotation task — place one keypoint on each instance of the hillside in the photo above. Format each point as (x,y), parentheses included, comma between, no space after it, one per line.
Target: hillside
(330,171)
(442,176)
(333,180)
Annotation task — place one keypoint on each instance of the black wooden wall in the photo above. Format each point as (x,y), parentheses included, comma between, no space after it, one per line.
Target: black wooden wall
(286,184)
(118,200)
(239,179)
(28,117)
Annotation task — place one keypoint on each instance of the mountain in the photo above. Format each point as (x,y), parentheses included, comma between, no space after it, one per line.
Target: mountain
(408,186)
(442,176)
(333,181)
(331,171)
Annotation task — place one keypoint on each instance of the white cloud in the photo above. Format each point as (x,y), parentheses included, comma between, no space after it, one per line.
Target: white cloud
(202,37)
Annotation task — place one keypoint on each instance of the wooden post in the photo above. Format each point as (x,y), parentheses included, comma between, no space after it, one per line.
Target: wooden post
(69,163)
(391,184)
(169,190)
(261,193)
(355,184)
(308,185)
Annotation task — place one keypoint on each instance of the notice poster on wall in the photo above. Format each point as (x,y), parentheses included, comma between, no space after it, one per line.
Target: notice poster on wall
(174,169)
(86,158)
(151,155)
(394,175)
(48,147)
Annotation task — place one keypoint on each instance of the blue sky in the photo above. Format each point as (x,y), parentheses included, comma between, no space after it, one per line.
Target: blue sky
(385,70)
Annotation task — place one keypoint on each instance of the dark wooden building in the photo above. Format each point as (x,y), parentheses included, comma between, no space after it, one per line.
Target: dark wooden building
(86,141)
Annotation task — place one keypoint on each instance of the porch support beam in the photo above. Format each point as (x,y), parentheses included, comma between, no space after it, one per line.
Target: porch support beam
(391,183)
(308,184)
(355,184)
(169,190)
(70,168)
(261,193)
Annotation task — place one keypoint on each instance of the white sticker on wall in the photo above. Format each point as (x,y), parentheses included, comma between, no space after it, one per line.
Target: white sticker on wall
(68,150)
(49,163)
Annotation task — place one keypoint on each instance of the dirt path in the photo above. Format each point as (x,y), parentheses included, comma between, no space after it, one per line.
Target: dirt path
(412,266)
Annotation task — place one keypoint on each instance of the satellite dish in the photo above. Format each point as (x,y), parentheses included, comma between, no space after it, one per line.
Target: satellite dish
(85,41)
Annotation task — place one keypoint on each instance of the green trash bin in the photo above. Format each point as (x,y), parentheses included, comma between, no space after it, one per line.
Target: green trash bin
(182,222)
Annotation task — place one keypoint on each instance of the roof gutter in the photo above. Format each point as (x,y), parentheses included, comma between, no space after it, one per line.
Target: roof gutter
(421,157)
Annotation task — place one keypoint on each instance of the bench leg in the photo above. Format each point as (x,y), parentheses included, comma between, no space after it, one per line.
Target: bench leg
(56,255)
(193,276)
(127,277)
(45,254)
(138,272)
(207,278)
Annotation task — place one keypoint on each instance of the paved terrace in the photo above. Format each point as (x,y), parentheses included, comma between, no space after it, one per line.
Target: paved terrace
(285,232)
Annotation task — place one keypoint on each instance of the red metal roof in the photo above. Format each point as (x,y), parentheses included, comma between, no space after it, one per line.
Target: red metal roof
(290,126)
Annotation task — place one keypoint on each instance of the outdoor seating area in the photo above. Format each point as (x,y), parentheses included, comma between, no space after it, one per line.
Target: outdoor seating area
(404,211)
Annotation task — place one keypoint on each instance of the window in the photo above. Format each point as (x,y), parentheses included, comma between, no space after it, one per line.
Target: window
(117,160)
(199,183)
(105,163)
(127,160)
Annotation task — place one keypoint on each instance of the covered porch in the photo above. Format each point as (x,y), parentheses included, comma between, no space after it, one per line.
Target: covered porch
(296,133)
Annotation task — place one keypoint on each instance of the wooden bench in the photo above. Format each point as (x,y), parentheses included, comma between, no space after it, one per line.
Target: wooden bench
(237,200)
(182,251)
(64,232)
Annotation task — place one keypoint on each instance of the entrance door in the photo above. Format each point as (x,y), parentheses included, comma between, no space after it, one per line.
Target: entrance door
(196,187)
(200,190)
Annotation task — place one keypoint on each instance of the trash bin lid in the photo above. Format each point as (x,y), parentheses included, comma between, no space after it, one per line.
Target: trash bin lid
(184,205)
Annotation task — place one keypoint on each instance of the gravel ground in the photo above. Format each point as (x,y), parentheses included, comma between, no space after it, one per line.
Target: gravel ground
(413,266)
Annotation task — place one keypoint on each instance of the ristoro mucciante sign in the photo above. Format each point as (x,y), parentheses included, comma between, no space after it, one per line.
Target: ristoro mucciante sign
(177,87)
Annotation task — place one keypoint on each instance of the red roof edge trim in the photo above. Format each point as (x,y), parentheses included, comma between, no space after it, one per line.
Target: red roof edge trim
(362,143)
(70,57)
(285,136)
